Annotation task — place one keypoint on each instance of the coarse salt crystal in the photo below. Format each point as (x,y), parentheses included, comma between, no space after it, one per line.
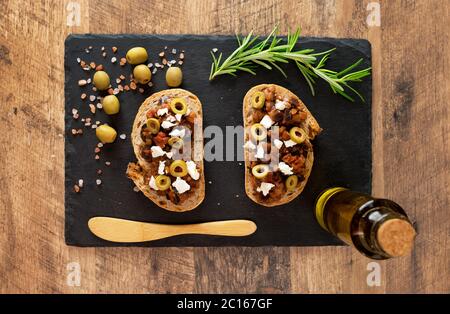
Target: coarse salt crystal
(123,136)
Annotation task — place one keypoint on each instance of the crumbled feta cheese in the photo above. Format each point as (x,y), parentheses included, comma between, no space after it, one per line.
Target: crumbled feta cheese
(280,105)
(178,116)
(157,151)
(171,118)
(260,152)
(277,143)
(169,155)
(290,143)
(265,188)
(167,124)
(181,186)
(192,170)
(162,112)
(161,167)
(178,133)
(152,184)
(285,168)
(249,145)
(266,122)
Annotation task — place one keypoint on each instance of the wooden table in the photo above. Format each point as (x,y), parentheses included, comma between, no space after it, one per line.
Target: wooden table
(411,148)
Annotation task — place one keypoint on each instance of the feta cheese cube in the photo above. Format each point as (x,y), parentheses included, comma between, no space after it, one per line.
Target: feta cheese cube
(157,151)
(162,111)
(249,145)
(285,168)
(167,124)
(266,122)
(181,185)
(192,170)
(161,167)
(280,105)
(260,152)
(265,188)
(152,183)
(290,143)
(277,143)
(179,132)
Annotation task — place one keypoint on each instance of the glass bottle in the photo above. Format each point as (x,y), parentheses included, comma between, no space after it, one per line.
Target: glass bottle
(378,228)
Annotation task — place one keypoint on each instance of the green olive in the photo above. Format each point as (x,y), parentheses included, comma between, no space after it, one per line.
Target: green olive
(297,134)
(174,77)
(176,142)
(258,100)
(101,80)
(291,182)
(162,182)
(105,133)
(136,55)
(153,125)
(178,168)
(258,132)
(142,74)
(178,106)
(260,171)
(111,104)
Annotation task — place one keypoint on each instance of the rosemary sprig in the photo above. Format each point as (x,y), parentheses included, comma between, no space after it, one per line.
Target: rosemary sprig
(272,50)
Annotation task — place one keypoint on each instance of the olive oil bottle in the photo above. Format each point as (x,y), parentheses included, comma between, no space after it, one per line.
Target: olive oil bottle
(378,228)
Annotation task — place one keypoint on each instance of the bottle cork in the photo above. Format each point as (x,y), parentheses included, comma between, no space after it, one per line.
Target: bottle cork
(396,237)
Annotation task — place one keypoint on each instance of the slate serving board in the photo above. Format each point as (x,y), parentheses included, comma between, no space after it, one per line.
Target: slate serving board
(342,152)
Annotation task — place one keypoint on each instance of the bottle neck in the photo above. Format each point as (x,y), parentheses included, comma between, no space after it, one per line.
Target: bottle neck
(387,233)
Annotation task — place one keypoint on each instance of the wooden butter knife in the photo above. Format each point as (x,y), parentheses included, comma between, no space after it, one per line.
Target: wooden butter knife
(128,231)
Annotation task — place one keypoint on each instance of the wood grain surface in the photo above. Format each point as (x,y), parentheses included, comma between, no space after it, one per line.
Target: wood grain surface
(411,149)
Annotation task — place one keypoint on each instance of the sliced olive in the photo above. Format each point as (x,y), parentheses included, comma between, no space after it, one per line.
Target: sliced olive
(176,142)
(142,74)
(258,132)
(153,125)
(258,100)
(297,134)
(178,106)
(101,80)
(136,55)
(178,168)
(105,133)
(162,182)
(291,182)
(260,171)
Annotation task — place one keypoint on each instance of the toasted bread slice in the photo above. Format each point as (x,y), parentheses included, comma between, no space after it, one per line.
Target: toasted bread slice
(309,125)
(139,171)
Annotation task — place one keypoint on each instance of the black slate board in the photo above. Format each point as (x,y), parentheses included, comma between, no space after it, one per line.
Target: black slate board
(342,152)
